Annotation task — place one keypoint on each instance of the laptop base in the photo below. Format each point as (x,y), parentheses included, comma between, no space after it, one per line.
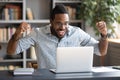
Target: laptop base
(85,73)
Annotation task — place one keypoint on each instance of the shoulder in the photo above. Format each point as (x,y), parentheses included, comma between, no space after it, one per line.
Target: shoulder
(72,29)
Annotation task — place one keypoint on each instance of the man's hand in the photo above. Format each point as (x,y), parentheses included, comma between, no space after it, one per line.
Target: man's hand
(103,44)
(101,26)
(24,27)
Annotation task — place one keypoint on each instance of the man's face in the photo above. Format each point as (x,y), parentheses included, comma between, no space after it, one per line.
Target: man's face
(59,25)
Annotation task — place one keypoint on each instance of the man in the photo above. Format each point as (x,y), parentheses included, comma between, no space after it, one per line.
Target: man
(46,39)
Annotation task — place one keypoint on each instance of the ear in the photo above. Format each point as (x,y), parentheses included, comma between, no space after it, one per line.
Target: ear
(51,21)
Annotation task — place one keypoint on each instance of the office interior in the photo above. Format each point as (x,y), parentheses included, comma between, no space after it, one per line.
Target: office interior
(36,12)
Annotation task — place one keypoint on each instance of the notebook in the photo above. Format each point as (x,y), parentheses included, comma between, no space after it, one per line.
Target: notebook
(23,71)
(74,59)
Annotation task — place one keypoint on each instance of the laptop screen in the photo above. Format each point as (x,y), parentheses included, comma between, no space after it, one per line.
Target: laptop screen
(74,59)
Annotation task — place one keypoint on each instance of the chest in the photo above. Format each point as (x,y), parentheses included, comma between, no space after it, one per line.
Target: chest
(52,41)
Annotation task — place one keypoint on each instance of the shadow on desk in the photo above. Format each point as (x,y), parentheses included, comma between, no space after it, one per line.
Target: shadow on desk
(44,74)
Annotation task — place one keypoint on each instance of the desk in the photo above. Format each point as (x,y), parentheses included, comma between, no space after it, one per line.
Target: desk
(44,74)
(113,53)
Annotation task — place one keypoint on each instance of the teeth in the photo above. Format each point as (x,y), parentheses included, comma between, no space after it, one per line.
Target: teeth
(61,32)
(21,32)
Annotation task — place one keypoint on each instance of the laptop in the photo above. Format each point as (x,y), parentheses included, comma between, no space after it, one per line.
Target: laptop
(74,59)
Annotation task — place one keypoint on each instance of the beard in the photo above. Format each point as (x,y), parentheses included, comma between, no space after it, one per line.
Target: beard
(59,33)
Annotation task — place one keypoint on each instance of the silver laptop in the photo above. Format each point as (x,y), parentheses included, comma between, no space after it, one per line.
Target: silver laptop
(74,59)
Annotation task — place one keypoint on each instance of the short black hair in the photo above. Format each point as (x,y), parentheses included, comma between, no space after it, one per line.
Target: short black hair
(59,8)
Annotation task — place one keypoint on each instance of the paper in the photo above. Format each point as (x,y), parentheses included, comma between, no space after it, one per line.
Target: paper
(104,69)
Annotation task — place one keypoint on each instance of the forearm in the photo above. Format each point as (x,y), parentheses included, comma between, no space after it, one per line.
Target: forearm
(103,46)
(12,45)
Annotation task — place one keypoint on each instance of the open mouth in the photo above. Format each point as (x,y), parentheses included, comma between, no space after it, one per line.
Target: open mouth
(61,33)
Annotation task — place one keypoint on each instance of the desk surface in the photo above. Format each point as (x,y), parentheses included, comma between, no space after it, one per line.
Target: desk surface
(44,74)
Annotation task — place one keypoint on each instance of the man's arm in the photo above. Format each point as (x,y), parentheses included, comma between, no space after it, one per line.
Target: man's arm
(12,44)
(103,44)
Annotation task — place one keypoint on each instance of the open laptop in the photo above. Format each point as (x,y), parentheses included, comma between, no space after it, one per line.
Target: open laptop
(74,59)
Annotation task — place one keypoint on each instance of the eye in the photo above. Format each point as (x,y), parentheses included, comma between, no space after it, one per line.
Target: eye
(59,24)
(66,23)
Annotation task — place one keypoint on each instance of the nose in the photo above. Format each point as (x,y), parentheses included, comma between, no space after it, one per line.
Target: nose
(62,26)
